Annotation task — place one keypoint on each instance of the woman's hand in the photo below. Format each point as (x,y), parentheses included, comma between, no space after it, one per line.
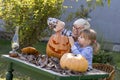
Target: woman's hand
(71,40)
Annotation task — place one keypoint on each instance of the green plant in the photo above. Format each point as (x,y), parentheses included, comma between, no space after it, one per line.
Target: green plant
(4,46)
(103,57)
(30,15)
(81,12)
(84,10)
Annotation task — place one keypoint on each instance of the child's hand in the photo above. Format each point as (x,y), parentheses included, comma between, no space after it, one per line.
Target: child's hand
(71,40)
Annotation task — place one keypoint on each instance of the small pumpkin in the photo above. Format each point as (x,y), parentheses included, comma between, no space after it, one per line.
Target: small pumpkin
(57,45)
(30,50)
(74,62)
(13,54)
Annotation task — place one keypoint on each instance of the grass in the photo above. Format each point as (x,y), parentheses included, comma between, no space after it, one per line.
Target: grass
(116,58)
(5,47)
(41,47)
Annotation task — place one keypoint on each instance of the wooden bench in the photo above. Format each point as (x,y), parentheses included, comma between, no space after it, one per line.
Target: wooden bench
(37,73)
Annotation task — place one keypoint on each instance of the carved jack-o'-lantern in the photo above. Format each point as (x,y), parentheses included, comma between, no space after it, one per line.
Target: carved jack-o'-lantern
(58,44)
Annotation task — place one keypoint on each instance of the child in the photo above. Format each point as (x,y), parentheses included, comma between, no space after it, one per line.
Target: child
(79,25)
(86,45)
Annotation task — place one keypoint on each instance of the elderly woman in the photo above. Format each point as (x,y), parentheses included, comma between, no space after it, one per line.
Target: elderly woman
(78,26)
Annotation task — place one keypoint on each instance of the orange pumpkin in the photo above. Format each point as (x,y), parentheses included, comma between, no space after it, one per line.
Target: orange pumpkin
(74,62)
(30,50)
(57,45)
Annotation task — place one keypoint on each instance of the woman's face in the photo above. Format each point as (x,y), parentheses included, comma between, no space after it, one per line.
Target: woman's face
(76,30)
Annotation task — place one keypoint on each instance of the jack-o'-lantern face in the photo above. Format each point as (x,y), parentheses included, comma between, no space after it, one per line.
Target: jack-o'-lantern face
(57,46)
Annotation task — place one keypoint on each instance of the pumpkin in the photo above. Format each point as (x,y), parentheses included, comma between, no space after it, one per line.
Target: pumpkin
(13,54)
(57,45)
(74,62)
(30,50)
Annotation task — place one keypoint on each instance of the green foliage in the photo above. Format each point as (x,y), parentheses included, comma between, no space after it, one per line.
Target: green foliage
(103,57)
(83,11)
(41,47)
(4,46)
(30,15)
(95,3)
(109,1)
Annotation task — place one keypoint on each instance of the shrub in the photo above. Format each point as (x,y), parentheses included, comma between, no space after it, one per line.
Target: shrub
(103,57)
(30,15)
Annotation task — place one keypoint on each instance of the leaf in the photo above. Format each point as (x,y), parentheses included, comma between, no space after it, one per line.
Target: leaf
(109,1)
(99,2)
(88,0)
(30,15)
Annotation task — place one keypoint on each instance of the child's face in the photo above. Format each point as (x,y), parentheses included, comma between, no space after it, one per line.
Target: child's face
(83,41)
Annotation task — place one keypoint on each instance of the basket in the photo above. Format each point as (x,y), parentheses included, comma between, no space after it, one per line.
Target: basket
(107,68)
